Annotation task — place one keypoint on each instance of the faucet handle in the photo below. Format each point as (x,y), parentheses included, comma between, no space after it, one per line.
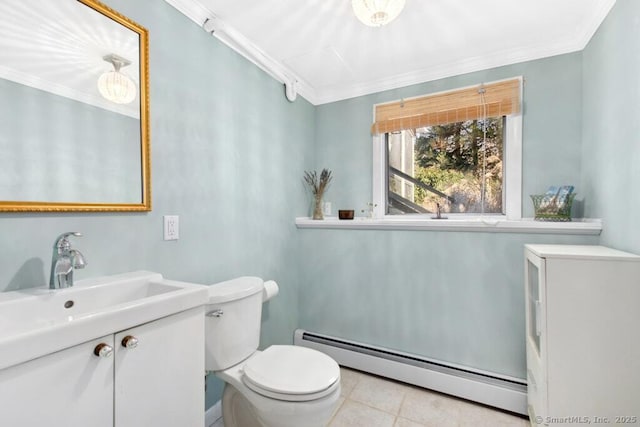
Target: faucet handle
(69,233)
(62,242)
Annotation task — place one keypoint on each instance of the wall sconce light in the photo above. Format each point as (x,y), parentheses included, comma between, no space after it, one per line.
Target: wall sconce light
(115,86)
(376,13)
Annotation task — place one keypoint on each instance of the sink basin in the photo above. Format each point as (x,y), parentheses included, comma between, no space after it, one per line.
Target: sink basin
(36,322)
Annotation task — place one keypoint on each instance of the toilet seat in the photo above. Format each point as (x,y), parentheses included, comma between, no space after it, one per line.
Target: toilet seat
(291,373)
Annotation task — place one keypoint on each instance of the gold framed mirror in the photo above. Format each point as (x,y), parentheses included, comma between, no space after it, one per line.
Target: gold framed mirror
(74,108)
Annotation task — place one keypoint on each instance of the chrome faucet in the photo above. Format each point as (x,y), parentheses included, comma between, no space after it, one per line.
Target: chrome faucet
(64,260)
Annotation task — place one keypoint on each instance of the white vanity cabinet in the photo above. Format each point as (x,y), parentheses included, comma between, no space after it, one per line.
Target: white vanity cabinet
(157,380)
(582,335)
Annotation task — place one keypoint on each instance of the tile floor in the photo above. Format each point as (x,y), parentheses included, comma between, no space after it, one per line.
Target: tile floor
(371,401)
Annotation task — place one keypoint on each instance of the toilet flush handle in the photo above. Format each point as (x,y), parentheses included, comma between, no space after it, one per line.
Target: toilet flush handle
(215,313)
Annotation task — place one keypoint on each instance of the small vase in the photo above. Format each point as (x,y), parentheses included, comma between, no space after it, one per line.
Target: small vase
(317,208)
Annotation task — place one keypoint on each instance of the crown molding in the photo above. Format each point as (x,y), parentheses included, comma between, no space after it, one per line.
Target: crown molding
(192,9)
(598,18)
(454,68)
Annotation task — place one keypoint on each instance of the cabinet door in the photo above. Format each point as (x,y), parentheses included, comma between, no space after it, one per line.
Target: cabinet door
(71,388)
(593,329)
(159,381)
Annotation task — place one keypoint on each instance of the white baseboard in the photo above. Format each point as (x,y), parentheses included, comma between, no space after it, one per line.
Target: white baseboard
(213,416)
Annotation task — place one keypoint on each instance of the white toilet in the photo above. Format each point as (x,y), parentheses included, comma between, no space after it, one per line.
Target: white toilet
(282,386)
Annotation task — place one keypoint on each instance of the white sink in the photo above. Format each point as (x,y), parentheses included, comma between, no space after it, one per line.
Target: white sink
(36,322)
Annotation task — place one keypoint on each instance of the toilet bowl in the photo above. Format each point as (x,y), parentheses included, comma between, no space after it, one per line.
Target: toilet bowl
(281,386)
(281,397)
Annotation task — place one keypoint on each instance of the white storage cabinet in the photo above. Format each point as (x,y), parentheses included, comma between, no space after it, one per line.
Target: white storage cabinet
(583,335)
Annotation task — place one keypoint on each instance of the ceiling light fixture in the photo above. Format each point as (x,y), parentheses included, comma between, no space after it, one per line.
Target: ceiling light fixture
(114,85)
(376,13)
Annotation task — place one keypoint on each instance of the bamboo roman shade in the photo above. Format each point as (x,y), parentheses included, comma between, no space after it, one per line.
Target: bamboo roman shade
(500,99)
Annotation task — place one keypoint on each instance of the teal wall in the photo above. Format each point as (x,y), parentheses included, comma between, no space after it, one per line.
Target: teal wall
(611,125)
(456,297)
(228,154)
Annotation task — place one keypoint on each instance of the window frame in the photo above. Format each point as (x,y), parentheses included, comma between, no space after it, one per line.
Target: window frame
(512,178)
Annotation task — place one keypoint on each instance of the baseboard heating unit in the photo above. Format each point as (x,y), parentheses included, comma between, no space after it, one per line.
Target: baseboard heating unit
(483,387)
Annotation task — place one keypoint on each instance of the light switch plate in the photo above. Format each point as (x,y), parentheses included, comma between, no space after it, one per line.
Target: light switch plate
(171,227)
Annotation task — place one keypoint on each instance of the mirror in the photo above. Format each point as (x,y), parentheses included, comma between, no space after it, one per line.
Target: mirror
(66,143)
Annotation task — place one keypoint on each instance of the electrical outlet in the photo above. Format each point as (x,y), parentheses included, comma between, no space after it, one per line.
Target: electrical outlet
(171,227)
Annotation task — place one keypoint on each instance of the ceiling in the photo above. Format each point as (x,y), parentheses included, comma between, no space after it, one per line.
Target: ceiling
(333,56)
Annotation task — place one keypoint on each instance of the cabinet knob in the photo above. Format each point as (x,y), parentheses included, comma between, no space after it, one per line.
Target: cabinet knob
(103,350)
(129,342)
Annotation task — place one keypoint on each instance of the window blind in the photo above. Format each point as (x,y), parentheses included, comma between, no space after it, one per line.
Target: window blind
(500,99)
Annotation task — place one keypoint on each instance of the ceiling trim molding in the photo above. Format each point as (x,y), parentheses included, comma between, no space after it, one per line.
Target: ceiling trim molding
(235,40)
(456,68)
(67,92)
(597,19)
(192,10)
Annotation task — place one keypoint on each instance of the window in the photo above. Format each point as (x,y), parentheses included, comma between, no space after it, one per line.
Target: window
(458,152)
(452,167)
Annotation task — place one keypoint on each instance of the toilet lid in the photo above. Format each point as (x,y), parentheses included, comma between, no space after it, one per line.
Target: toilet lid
(291,370)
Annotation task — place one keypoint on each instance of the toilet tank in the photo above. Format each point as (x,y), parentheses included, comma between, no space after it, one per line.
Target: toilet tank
(232,325)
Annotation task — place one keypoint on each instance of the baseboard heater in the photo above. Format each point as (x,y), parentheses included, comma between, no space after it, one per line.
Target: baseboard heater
(488,388)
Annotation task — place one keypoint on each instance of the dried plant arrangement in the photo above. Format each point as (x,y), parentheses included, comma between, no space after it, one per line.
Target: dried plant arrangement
(318,185)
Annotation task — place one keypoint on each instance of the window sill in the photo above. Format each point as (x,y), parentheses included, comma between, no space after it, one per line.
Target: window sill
(489,224)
